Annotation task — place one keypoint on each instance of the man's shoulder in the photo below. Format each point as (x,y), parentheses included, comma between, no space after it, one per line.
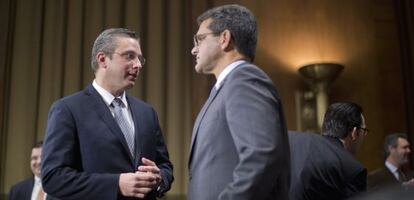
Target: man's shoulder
(330,154)
(23,184)
(76,96)
(138,102)
(380,173)
(247,75)
(248,69)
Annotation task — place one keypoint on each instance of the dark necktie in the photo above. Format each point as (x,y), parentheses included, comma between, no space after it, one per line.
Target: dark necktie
(122,121)
(401,176)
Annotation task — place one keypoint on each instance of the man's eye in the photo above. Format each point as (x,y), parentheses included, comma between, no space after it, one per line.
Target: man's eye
(201,37)
(130,56)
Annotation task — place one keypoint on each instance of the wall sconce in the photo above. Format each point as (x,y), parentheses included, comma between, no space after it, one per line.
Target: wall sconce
(313,104)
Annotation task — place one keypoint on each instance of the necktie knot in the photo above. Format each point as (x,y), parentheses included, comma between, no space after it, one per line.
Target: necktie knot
(117,102)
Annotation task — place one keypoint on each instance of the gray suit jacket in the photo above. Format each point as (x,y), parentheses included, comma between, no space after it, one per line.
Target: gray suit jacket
(239,147)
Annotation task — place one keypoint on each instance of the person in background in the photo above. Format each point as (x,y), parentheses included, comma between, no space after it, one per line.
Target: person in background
(324,166)
(397,152)
(31,188)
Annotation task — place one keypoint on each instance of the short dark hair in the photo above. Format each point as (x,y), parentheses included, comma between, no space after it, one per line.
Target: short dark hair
(239,21)
(38,144)
(341,118)
(105,42)
(392,140)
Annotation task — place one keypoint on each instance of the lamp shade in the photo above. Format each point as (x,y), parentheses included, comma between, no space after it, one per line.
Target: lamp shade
(321,72)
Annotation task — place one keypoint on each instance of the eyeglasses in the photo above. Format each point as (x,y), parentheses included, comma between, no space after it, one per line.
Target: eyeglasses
(365,130)
(200,37)
(130,57)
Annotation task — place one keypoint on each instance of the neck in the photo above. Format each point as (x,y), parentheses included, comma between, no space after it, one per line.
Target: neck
(349,145)
(227,60)
(393,162)
(114,91)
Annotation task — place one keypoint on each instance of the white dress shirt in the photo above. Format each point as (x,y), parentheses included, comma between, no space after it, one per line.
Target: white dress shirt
(36,188)
(393,169)
(108,98)
(226,72)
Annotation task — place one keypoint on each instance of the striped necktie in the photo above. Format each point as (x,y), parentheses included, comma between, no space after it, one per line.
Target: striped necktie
(122,121)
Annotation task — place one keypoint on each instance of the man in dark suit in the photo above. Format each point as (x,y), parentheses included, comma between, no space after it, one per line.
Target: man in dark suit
(239,147)
(324,167)
(102,143)
(31,188)
(397,152)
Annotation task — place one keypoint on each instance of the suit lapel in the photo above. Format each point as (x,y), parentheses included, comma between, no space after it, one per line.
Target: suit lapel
(204,110)
(98,105)
(200,118)
(29,189)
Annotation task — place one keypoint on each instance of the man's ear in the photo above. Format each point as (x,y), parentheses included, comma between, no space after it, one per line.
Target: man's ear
(354,133)
(225,40)
(100,59)
(390,148)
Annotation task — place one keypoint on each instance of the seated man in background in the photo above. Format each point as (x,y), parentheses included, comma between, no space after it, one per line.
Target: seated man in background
(324,167)
(30,188)
(397,152)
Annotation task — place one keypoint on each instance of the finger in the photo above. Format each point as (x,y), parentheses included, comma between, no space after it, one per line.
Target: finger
(153,169)
(149,162)
(139,195)
(145,184)
(144,176)
(142,190)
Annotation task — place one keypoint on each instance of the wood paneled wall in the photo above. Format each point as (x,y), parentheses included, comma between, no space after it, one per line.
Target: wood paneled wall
(361,35)
(53,36)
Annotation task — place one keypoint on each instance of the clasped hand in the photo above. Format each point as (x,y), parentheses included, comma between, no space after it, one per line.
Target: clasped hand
(139,184)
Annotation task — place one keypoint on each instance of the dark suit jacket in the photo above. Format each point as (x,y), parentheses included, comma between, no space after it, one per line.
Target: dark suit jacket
(22,190)
(239,148)
(85,151)
(323,169)
(381,178)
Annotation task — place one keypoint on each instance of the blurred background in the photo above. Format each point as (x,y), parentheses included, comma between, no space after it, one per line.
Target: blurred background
(45,48)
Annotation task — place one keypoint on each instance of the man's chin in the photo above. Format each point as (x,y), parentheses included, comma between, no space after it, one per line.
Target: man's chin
(129,86)
(198,69)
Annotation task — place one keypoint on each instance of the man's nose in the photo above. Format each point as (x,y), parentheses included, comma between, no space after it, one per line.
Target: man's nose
(137,64)
(194,51)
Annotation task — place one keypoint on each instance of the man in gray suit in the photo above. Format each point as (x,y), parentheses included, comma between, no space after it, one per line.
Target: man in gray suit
(239,147)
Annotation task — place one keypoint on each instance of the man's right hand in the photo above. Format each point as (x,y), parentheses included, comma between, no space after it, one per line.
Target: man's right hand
(136,184)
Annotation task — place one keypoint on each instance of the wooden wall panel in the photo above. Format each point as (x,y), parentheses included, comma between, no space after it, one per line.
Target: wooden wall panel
(361,35)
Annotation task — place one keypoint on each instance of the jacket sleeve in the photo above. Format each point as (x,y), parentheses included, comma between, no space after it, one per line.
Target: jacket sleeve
(62,174)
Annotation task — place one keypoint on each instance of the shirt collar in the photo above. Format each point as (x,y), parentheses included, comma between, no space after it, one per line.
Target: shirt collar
(107,96)
(37,180)
(226,72)
(391,167)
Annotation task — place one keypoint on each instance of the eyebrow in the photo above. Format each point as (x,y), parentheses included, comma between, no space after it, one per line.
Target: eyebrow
(130,51)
